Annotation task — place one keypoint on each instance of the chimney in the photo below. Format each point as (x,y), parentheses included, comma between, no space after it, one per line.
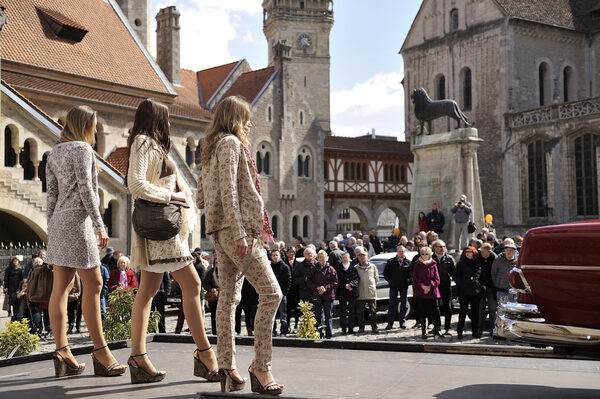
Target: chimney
(373,136)
(167,43)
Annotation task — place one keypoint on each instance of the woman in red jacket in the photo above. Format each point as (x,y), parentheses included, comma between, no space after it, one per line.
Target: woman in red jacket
(122,277)
(426,280)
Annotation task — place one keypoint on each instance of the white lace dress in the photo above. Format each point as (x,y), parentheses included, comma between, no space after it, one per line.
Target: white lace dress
(172,254)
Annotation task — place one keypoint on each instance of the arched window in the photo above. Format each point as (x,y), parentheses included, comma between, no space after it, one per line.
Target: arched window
(440,87)
(259,162)
(586,175)
(467,98)
(25,158)
(304,163)
(568,84)
(203,226)
(544,84)
(189,155)
(305,225)
(453,20)
(10,157)
(263,159)
(275,226)
(107,218)
(295,226)
(538,181)
(42,171)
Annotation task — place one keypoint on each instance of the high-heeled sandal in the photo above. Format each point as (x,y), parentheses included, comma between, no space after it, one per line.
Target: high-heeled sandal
(263,389)
(140,375)
(200,369)
(110,371)
(228,383)
(62,367)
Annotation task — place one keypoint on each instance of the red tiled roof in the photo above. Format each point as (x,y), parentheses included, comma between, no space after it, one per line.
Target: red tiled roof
(564,13)
(250,84)
(28,101)
(119,160)
(108,52)
(61,18)
(211,79)
(28,82)
(365,144)
(188,91)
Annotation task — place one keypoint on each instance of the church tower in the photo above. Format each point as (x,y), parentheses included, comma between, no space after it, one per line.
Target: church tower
(305,26)
(138,16)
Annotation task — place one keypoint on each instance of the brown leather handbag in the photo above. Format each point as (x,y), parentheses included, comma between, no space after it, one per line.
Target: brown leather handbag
(40,284)
(156,221)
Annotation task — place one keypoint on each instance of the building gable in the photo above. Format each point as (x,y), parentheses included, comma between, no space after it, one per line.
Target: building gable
(433,18)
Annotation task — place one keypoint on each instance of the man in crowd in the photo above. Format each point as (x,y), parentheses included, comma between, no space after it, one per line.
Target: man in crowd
(111,258)
(368,246)
(398,274)
(501,268)
(301,270)
(446,268)
(367,290)
(335,254)
(283,274)
(351,246)
(462,215)
(375,241)
(435,219)
(393,240)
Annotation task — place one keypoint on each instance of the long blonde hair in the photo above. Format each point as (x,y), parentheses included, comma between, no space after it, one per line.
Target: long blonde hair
(78,125)
(230,117)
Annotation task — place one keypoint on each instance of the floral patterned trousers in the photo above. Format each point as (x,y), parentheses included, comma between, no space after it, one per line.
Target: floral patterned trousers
(257,269)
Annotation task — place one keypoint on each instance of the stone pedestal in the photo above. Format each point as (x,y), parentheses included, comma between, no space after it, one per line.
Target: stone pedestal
(445,166)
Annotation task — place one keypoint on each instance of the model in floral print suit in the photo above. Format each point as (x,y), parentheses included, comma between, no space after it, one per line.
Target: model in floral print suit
(236,219)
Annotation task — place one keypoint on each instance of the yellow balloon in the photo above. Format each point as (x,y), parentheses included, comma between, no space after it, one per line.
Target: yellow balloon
(488,218)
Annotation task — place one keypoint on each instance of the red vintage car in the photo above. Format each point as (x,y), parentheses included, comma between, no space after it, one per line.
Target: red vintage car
(555,295)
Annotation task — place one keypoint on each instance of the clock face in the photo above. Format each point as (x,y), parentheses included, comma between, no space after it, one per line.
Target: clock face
(304,41)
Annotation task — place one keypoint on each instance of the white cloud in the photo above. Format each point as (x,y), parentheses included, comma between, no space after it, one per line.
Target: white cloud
(376,103)
(207,28)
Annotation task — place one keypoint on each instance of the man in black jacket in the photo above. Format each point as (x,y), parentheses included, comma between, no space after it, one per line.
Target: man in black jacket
(398,273)
(446,269)
(301,270)
(283,274)
(435,220)
(335,255)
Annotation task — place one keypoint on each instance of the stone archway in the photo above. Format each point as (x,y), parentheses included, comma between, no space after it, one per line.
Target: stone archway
(399,212)
(21,223)
(359,209)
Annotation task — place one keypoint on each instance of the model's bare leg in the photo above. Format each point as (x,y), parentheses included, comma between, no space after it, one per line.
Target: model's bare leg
(190,290)
(91,280)
(140,313)
(57,308)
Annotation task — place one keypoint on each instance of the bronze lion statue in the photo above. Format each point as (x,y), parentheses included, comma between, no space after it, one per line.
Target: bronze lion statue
(427,110)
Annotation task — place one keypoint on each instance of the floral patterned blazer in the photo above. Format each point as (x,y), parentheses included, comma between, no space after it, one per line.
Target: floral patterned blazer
(227,193)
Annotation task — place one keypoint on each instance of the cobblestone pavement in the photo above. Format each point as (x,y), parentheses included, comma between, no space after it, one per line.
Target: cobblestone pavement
(396,334)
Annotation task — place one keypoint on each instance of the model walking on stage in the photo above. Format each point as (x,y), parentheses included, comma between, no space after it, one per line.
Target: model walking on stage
(74,226)
(236,219)
(153,176)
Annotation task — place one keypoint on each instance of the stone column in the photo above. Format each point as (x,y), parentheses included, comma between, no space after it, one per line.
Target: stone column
(445,166)
(36,166)
(18,160)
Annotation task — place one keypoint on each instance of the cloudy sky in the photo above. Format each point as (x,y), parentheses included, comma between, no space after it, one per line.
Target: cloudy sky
(366,68)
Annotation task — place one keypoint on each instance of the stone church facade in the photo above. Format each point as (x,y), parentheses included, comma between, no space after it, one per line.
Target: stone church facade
(530,81)
(56,56)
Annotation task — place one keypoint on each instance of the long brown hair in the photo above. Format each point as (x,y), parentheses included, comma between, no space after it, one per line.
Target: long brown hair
(230,117)
(78,125)
(152,120)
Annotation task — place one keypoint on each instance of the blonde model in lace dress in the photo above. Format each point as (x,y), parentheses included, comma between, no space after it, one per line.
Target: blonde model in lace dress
(74,225)
(152,176)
